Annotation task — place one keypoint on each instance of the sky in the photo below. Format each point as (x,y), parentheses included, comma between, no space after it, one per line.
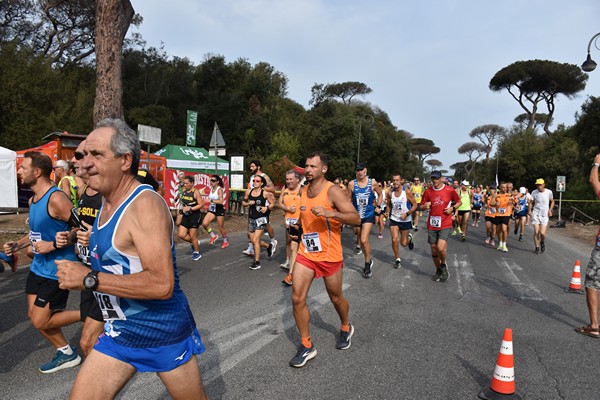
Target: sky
(429,63)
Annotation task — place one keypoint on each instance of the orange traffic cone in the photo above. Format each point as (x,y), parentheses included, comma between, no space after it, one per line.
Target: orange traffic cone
(503,380)
(575,285)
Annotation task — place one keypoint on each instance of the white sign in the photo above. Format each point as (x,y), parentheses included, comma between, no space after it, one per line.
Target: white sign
(149,134)
(220,152)
(237,181)
(237,163)
(561,183)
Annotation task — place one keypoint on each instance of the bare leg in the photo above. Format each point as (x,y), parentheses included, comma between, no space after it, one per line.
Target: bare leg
(301,279)
(185,381)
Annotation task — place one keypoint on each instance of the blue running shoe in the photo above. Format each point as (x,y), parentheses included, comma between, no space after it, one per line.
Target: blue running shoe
(196,256)
(302,356)
(344,340)
(61,361)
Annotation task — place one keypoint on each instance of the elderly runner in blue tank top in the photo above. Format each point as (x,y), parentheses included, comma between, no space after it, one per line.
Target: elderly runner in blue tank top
(362,193)
(149,326)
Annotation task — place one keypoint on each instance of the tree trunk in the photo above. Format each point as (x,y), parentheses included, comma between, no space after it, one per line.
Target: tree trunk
(112,22)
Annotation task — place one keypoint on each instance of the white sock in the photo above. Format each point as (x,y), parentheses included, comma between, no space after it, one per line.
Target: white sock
(67,350)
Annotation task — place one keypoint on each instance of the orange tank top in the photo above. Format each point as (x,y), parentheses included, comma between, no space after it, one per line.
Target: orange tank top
(503,205)
(321,237)
(489,210)
(291,198)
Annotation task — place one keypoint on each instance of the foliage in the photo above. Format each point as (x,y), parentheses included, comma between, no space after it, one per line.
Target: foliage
(488,135)
(344,91)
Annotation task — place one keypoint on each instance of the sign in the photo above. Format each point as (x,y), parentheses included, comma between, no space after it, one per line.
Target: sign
(237,181)
(190,134)
(237,163)
(220,152)
(148,134)
(216,140)
(561,183)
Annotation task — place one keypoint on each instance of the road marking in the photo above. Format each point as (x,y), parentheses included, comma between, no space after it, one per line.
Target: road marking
(524,291)
(464,274)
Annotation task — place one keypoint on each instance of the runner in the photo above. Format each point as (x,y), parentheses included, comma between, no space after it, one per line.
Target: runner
(191,203)
(463,212)
(438,199)
(49,211)
(380,215)
(592,273)
(324,209)
(523,208)
(177,200)
(289,202)
(417,191)
(259,202)
(90,203)
(66,182)
(503,202)
(477,201)
(490,217)
(543,203)
(362,193)
(149,325)
(401,217)
(216,210)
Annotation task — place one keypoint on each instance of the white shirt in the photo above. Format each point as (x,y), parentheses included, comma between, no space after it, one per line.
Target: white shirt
(541,201)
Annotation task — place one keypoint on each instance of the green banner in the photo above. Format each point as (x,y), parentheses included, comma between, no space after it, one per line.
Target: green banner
(190,135)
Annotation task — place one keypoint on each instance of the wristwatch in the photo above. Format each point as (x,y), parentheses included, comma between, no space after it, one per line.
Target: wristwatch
(91,280)
(595,164)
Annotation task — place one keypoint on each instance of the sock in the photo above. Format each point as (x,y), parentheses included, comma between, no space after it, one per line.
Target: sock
(225,238)
(345,328)
(66,350)
(212,234)
(273,239)
(306,342)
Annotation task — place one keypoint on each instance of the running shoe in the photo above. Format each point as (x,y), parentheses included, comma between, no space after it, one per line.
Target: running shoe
(520,238)
(345,339)
(459,230)
(542,247)
(13,261)
(477,225)
(249,253)
(487,240)
(516,230)
(454,232)
(537,250)
(411,243)
(61,361)
(196,256)
(416,228)
(357,251)
(285,265)
(274,242)
(270,250)
(302,356)
(438,275)
(380,236)
(444,273)
(287,280)
(255,265)
(499,247)
(225,244)
(492,243)
(463,237)
(398,263)
(367,271)
(213,239)
(473,224)
(504,248)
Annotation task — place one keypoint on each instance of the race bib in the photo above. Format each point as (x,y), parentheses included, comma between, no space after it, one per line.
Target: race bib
(261,221)
(291,221)
(502,210)
(34,237)
(492,210)
(435,221)
(84,254)
(109,304)
(311,242)
(362,201)
(212,207)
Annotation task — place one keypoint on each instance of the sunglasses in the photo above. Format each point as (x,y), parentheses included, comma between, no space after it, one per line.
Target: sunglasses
(258,180)
(79,155)
(213,180)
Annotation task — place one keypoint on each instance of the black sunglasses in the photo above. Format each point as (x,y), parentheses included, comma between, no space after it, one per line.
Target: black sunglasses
(79,155)
(213,180)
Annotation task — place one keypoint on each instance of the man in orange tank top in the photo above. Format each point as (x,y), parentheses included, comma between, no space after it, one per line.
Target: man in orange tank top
(289,202)
(323,210)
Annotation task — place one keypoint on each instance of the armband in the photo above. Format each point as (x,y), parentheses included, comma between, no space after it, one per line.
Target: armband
(54,245)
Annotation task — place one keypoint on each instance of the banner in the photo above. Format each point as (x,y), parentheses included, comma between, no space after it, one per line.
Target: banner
(190,135)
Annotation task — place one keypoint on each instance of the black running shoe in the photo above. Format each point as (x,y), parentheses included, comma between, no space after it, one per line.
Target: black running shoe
(411,243)
(542,247)
(344,340)
(398,263)
(537,250)
(302,356)
(520,238)
(357,250)
(438,275)
(444,273)
(255,265)
(367,271)
(516,230)
(270,250)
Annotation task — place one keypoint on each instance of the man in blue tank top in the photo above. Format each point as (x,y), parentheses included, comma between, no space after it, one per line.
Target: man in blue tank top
(149,325)
(49,213)
(362,193)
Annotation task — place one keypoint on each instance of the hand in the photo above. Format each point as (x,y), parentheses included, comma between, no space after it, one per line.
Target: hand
(43,247)
(70,274)
(449,210)
(10,247)
(62,239)
(83,237)
(403,216)
(597,158)
(549,213)
(322,212)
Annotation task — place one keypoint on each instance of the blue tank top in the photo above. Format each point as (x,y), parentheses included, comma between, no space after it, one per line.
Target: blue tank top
(43,227)
(477,199)
(363,199)
(523,207)
(136,323)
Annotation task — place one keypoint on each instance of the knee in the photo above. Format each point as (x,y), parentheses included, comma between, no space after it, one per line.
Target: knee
(337,300)
(38,322)
(181,234)
(298,300)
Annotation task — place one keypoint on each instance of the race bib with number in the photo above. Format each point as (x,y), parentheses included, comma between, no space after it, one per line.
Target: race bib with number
(291,221)
(502,210)
(435,221)
(311,242)
(109,304)
(34,237)
(261,221)
(212,207)
(84,254)
(492,210)
(362,201)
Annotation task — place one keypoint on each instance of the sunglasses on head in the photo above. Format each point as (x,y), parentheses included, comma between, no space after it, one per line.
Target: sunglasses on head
(79,155)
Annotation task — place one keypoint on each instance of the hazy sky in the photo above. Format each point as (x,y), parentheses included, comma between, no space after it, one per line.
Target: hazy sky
(429,63)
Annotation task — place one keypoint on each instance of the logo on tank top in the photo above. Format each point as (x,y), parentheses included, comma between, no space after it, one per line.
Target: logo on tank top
(302,208)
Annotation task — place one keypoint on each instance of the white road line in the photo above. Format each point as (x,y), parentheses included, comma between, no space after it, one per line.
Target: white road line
(525,291)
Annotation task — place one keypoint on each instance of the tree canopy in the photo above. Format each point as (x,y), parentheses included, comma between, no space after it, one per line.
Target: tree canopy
(344,91)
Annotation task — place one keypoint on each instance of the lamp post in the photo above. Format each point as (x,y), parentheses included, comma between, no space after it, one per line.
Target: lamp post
(363,117)
(589,65)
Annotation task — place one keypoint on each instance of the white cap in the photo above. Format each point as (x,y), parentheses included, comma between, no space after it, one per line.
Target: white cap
(61,164)
(465,182)
(522,190)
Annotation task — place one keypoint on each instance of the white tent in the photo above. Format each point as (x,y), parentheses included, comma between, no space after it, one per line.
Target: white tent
(8,179)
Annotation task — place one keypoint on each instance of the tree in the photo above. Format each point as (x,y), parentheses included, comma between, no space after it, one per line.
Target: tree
(488,135)
(113,18)
(473,151)
(522,120)
(535,81)
(422,148)
(345,91)
(434,164)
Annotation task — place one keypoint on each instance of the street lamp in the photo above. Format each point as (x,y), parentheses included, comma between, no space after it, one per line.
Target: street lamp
(589,65)
(363,117)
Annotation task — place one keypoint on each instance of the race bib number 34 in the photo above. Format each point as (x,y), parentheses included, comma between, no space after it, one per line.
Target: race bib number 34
(311,242)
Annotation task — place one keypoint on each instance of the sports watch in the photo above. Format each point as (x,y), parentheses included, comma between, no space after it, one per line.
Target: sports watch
(91,280)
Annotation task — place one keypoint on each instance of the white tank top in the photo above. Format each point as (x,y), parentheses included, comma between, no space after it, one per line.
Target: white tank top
(399,206)
(214,195)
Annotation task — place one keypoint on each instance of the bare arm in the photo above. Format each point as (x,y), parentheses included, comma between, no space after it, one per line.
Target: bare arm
(411,199)
(594,175)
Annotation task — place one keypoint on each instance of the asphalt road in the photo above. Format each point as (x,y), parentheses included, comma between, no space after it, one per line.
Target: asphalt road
(414,338)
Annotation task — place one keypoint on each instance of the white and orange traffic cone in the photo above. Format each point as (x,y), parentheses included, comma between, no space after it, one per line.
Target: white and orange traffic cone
(503,380)
(575,284)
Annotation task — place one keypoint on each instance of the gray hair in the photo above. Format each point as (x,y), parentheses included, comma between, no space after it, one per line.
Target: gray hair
(293,171)
(123,141)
